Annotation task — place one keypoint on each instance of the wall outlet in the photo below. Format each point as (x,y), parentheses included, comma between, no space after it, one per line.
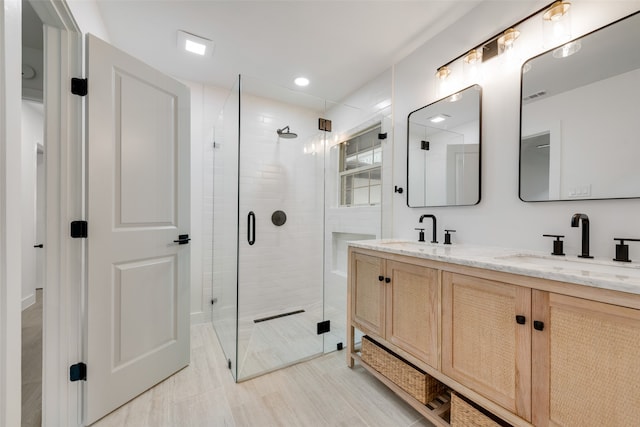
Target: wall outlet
(581,191)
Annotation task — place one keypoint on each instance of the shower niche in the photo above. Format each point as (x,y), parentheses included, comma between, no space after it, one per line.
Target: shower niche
(270,198)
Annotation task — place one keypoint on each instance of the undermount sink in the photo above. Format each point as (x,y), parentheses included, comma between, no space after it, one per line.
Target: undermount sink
(568,263)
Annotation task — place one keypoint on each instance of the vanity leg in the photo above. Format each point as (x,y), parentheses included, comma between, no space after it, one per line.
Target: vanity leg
(350,343)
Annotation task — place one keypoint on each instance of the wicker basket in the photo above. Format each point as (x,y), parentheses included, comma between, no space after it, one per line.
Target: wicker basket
(408,377)
(467,414)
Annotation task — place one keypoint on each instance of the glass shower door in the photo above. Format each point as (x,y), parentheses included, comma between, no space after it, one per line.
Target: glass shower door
(281,220)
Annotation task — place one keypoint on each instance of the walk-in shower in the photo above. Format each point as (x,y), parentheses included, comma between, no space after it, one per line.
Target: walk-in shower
(279,277)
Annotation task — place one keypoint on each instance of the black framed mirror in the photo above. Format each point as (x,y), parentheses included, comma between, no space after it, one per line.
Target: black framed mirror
(443,151)
(579,126)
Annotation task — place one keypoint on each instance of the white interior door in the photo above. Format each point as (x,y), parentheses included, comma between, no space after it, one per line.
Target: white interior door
(138,205)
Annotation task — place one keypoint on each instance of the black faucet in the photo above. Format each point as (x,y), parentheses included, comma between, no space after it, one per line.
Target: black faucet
(575,222)
(433,218)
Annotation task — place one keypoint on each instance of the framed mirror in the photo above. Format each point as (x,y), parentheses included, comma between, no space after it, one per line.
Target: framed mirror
(443,151)
(579,122)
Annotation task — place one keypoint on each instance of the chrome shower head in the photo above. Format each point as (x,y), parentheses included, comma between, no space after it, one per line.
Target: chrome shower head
(285,133)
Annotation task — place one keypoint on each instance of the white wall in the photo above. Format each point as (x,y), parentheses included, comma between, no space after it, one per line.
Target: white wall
(88,18)
(501,219)
(32,135)
(32,88)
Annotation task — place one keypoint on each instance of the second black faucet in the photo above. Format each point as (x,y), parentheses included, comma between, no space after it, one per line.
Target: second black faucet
(575,222)
(433,218)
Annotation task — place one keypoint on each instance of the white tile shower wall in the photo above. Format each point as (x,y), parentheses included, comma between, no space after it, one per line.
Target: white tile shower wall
(282,271)
(500,217)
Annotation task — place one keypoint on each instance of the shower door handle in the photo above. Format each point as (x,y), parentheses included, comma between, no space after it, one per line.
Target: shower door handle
(251,228)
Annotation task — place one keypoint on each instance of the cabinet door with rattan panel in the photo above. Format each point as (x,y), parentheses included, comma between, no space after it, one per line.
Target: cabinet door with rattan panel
(586,363)
(413,312)
(483,346)
(368,293)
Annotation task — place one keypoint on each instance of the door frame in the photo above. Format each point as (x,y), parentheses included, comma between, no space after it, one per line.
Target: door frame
(64,199)
(10,243)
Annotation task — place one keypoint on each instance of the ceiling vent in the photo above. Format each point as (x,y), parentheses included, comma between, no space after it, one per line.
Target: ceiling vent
(535,95)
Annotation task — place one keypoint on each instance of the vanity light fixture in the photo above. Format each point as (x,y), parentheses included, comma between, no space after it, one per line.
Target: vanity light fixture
(504,40)
(508,38)
(474,56)
(443,72)
(556,24)
(556,11)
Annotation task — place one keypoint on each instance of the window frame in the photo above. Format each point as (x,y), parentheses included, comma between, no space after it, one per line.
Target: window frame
(343,172)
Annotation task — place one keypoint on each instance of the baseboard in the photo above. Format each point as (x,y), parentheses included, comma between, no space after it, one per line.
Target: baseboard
(28,301)
(199,317)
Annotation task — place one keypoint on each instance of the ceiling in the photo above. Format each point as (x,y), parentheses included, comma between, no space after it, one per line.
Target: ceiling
(338,45)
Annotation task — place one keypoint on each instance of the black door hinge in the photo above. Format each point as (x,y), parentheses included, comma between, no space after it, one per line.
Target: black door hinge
(324,327)
(79,87)
(382,135)
(78,372)
(324,124)
(79,229)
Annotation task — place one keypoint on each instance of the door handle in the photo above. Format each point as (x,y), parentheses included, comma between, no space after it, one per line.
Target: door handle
(183,239)
(251,228)
(38,246)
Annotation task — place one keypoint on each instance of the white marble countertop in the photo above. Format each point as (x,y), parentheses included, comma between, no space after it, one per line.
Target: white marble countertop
(597,272)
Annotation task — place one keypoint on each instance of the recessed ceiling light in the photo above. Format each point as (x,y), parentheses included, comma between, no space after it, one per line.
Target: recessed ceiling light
(301,81)
(194,44)
(437,119)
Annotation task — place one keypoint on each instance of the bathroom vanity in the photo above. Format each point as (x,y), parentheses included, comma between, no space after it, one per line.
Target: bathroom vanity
(534,339)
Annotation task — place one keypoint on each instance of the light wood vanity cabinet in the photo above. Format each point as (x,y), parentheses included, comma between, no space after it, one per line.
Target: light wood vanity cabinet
(586,362)
(397,302)
(533,351)
(483,346)
(368,293)
(573,362)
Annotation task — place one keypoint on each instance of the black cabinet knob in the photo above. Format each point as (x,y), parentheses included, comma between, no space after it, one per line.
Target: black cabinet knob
(538,325)
(381,278)
(387,280)
(521,320)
